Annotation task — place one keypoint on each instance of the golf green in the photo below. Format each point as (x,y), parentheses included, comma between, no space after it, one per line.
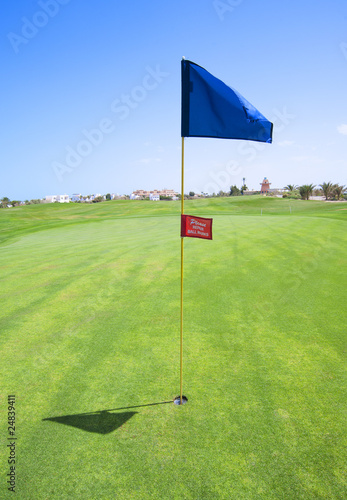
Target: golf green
(89,347)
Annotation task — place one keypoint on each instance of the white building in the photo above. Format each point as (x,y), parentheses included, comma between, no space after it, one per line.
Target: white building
(134,196)
(76,197)
(60,198)
(93,196)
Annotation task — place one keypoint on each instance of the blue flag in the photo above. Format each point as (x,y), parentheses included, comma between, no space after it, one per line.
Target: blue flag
(212,109)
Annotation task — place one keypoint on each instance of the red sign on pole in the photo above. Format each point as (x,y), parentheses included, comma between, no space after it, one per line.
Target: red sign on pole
(196,227)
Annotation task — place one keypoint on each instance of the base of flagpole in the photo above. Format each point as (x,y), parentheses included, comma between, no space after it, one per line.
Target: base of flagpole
(177,400)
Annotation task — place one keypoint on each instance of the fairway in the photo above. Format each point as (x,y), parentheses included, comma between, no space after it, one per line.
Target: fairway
(90,348)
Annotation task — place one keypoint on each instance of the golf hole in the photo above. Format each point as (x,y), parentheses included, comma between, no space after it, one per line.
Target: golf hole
(177,400)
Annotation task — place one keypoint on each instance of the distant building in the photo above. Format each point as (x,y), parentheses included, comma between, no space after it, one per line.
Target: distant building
(93,196)
(250,191)
(170,193)
(265,186)
(76,197)
(60,198)
(141,194)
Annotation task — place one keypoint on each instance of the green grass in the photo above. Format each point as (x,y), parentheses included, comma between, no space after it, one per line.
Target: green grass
(90,322)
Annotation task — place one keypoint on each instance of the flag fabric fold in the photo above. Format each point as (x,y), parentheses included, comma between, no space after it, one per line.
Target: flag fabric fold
(210,108)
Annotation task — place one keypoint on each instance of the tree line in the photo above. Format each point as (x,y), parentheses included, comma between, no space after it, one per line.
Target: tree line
(6,202)
(328,189)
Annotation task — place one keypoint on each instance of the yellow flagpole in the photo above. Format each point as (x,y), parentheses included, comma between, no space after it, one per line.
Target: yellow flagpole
(182,247)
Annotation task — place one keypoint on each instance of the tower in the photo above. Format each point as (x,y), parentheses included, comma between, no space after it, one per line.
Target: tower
(265,186)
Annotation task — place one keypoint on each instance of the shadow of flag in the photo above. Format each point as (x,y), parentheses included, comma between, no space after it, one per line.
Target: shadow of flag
(101,422)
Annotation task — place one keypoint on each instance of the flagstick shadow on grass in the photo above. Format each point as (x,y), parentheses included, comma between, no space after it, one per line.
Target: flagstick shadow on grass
(102,421)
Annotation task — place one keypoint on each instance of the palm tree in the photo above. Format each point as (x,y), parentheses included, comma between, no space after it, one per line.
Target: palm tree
(338,191)
(290,187)
(306,191)
(327,188)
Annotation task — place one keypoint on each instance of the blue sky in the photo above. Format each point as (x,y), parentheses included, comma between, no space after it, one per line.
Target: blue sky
(91,93)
